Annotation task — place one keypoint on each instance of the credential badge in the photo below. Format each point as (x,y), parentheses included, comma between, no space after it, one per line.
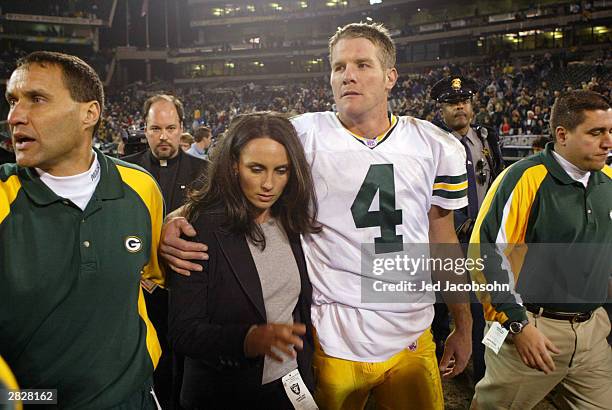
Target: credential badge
(133,244)
(295,388)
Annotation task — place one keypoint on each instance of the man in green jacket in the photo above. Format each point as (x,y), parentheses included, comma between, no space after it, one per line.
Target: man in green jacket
(78,235)
(545,229)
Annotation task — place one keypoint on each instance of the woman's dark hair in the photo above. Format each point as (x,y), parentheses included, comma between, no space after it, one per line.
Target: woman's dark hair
(296,208)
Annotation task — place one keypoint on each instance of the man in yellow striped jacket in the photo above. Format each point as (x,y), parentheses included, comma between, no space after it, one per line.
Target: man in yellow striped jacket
(545,232)
(78,233)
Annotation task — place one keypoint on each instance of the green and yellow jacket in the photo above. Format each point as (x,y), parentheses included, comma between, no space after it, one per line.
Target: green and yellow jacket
(72,312)
(546,236)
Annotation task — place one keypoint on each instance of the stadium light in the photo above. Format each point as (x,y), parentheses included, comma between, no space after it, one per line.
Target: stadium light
(372,2)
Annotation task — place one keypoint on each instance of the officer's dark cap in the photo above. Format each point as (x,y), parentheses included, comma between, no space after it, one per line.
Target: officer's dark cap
(453,89)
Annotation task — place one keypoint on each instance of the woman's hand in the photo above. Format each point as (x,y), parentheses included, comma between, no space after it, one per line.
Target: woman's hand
(270,338)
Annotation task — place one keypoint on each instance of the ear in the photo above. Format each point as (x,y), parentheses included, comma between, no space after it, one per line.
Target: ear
(391,78)
(561,135)
(90,113)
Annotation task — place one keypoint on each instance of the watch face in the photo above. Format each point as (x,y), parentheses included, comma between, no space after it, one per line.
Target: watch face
(516,327)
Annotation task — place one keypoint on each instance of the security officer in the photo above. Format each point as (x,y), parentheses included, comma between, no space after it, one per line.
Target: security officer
(484,158)
(483,163)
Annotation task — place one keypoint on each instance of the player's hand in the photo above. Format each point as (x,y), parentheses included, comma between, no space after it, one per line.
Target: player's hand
(534,349)
(271,338)
(176,251)
(457,352)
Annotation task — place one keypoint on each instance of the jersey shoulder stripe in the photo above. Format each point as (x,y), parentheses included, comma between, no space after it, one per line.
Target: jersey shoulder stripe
(9,188)
(451,179)
(512,193)
(503,220)
(147,189)
(449,188)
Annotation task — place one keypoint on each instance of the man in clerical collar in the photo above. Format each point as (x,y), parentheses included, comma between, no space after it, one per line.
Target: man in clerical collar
(175,171)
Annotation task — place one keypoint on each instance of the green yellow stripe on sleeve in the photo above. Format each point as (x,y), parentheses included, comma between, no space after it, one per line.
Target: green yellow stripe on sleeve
(475,254)
(450,194)
(513,226)
(450,179)
(502,222)
(152,341)
(8,381)
(146,187)
(8,193)
(450,186)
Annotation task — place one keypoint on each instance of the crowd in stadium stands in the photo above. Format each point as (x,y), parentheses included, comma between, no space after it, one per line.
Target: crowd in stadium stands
(62,8)
(10,52)
(513,101)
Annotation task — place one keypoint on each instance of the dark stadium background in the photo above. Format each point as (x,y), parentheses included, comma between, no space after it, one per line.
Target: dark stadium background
(223,58)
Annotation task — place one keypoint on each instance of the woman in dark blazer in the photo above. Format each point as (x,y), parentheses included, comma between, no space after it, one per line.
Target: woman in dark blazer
(244,321)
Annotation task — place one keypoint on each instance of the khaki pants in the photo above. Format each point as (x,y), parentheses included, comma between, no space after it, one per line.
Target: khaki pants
(583,369)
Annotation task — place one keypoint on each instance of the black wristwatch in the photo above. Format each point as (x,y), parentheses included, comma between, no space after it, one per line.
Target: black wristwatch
(515,327)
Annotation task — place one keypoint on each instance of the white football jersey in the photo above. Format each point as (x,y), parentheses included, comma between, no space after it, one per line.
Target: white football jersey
(401,174)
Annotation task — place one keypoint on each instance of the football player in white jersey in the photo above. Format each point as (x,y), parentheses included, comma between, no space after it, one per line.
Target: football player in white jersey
(364,158)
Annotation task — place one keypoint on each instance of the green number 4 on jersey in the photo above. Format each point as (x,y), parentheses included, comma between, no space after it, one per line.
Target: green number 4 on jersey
(380,178)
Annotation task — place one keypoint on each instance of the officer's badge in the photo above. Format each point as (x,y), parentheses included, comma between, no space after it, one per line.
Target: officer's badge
(456,84)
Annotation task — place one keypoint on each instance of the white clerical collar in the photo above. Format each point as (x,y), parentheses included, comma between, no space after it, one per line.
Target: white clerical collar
(78,188)
(572,170)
